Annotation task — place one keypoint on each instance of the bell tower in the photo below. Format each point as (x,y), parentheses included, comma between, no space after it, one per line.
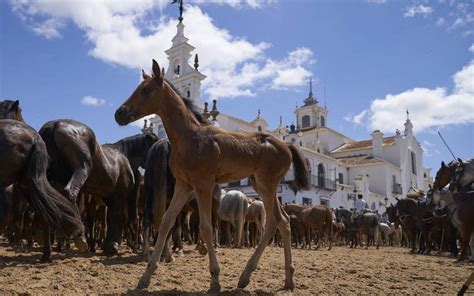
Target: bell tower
(184,77)
(311,114)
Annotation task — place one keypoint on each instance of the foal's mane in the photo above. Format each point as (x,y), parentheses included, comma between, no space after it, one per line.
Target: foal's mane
(190,106)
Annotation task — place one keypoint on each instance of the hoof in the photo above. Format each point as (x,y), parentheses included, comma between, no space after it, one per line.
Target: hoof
(215,287)
(143,284)
(111,250)
(180,253)
(81,244)
(169,259)
(202,250)
(289,287)
(46,259)
(243,282)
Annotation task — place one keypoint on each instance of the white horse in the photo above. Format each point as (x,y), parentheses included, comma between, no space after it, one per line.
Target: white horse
(443,198)
(464,174)
(233,209)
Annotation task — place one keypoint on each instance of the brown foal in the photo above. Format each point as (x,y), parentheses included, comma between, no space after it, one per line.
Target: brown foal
(204,155)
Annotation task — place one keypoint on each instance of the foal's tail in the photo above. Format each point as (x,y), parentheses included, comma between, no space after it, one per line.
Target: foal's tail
(302,180)
(54,208)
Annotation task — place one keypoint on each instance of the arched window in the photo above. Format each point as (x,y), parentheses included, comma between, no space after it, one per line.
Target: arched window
(321,176)
(259,128)
(413,162)
(305,121)
(323,121)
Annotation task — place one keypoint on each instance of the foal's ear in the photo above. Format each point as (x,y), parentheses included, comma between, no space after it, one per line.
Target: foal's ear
(157,72)
(144,75)
(460,160)
(15,104)
(443,164)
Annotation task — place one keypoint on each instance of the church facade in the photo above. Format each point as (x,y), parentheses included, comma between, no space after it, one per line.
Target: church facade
(380,168)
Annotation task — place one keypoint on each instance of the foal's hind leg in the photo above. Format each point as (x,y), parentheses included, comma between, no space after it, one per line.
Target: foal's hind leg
(275,218)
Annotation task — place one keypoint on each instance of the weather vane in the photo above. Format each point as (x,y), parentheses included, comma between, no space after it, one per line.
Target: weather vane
(181,9)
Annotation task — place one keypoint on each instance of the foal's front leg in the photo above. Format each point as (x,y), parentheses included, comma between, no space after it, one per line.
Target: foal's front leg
(181,195)
(204,199)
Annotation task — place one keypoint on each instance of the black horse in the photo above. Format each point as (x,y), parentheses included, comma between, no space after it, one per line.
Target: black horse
(24,160)
(80,164)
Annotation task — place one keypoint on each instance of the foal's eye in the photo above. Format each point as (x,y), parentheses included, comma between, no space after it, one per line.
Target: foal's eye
(146,90)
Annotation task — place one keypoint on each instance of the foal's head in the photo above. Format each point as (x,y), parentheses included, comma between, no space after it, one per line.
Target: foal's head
(145,100)
(10,110)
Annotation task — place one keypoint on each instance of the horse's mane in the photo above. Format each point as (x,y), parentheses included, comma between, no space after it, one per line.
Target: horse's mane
(190,106)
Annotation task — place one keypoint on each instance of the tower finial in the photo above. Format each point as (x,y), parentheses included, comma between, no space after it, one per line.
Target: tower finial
(408,115)
(196,62)
(181,9)
(281,120)
(258,113)
(310,86)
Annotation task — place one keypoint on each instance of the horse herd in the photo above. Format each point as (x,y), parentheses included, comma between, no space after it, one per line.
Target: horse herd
(61,185)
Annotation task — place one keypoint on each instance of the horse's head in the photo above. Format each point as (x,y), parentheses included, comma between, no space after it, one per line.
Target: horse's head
(444,175)
(455,183)
(10,110)
(145,100)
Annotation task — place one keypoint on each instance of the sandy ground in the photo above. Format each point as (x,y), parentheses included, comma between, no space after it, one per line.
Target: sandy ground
(339,271)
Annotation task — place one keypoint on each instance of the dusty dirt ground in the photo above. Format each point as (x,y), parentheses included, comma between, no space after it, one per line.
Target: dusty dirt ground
(390,270)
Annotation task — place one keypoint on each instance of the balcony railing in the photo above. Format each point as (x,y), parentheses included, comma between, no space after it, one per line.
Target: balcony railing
(397,188)
(323,183)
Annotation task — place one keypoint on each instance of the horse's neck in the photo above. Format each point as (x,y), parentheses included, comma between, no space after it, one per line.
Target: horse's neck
(449,200)
(178,121)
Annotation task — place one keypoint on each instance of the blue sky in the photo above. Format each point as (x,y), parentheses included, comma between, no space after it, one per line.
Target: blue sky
(375,59)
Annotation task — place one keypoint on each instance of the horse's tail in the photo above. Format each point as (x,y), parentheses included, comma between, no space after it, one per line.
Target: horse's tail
(54,208)
(302,178)
(159,182)
(47,133)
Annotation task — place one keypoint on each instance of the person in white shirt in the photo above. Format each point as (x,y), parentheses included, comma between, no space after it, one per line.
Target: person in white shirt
(360,204)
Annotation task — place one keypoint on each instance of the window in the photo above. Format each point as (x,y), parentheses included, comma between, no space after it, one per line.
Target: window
(413,163)
(307,201)
(259,128)
(321,180)
(234,184)
(323,121)
(324,202)
(341,178)
(394,180)
(308,164)
(305,121)
(188,93)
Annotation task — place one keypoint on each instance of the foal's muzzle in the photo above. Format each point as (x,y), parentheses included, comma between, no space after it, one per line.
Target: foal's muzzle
(122,116)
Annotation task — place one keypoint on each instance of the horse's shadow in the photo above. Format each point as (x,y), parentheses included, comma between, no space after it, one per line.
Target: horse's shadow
(175,292)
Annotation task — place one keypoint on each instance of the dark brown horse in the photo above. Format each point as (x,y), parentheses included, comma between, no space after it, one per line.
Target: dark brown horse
(10,110)
(24,160)
(80,164)
(204,155)
(444,174)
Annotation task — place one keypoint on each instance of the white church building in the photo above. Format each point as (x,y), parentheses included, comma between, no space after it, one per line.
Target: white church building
(380,168)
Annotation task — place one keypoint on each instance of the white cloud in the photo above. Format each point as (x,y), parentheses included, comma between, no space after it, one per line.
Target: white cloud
(471,49)
(120,33)
(358,118)
(48,29)
(91,101)
(377,1)
(417,9)
(429,108)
